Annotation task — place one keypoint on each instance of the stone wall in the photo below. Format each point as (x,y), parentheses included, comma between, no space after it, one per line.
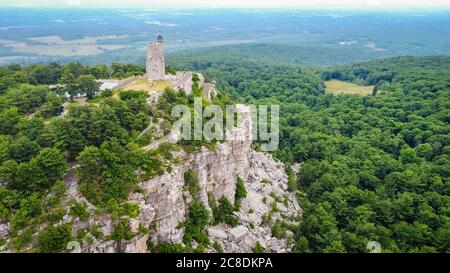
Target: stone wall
(185,83)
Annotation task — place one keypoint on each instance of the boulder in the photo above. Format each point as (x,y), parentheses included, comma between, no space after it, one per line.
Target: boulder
(216,233)
(4,230)
(238,233)
(134,225)
(147,214)
(289,234)
(135,245)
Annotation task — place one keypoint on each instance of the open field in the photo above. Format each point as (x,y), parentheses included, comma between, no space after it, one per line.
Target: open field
(56,46)
(143,84)
(94,36)
(340,87)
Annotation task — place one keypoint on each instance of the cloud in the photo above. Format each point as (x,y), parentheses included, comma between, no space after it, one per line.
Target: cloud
(159,23)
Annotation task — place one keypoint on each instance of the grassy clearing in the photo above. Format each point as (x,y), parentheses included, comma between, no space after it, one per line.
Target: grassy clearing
(144,85)
(340,87)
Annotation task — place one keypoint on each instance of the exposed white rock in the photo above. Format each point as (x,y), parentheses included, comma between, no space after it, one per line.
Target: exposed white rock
(296,168)
(289,234)
(147,214)
(257,204)
(136,245)
(4,230)
(238,233)
(134,225)
(102,247)
(217,172)
(216,233)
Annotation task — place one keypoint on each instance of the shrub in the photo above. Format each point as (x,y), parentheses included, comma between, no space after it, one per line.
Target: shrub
(132,94)
(217,247)
(192,232)
(23,239)
(106,93)
(224,213)
(171,70)
(274,206)
(267,218)
(212,202)
(241,193)
(30,208)
(231,220)
(54,238)
(258,248)
(192,182)
(97,232)
(195,77)
(199,249)
(169,248)
(277,231)
(198,219)
(292,182)
(266,182)
(79,210)
(56,215)
(198,215)
(129,209)
(122,231)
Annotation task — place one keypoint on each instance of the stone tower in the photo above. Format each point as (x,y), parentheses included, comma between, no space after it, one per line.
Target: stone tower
(155,67)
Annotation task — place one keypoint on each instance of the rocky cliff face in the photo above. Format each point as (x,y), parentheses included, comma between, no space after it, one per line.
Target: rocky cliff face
(267,202)
(266,183)
(217,172)
(164,200)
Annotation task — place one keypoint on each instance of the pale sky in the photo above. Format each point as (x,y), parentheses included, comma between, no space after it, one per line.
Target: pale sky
(383,4)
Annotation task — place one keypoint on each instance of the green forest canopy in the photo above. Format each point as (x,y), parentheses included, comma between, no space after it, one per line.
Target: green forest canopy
(374,168)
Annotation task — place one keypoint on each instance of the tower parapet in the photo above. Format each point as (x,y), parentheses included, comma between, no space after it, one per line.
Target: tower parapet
(155,66)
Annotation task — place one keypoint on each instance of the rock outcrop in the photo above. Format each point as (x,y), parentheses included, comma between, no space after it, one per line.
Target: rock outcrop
(265,180)
(4,231)
(267,197)
(164,201)
(217,172)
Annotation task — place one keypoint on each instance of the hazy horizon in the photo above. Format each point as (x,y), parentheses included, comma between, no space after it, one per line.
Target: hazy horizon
(312,36)
(251,4)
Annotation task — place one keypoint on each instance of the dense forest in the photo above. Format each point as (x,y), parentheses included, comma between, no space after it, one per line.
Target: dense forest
(277,54)
(47,136)
(373,168)
(40,141)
